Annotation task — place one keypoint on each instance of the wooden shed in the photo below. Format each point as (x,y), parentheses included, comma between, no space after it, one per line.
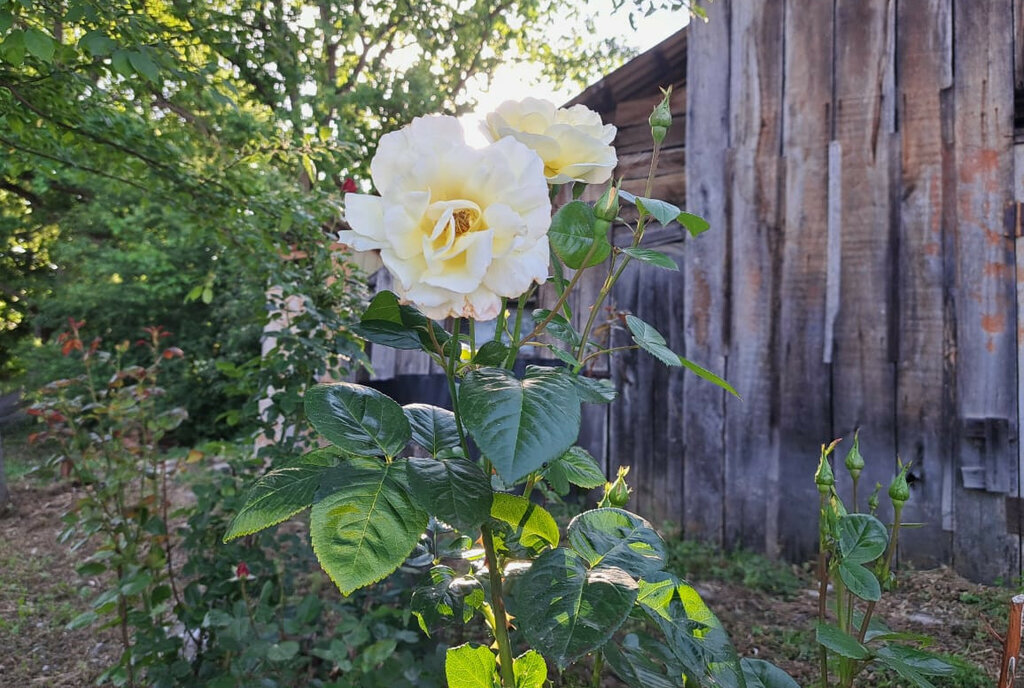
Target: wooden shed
(856,160)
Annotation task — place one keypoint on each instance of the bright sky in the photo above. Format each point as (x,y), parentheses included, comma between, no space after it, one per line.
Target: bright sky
(520,81)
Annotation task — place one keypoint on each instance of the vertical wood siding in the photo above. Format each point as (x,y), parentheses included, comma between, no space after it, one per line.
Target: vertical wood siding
(855,159)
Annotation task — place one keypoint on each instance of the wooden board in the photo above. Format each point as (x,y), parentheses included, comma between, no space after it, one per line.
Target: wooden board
(803,400)
(705,297)
(923,376)
(986,335)
(751,468)
(863,377)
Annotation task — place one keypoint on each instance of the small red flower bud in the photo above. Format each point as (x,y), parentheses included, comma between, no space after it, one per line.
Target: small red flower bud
(173,352)
(241,571)
(349,185)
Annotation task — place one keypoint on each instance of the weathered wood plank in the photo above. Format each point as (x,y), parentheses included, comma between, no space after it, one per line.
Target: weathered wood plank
(863,378)
(638,110)
(924,67)
(705,296)
(756,129)
(633,138)
(637,165)
(803,402)
(986,335)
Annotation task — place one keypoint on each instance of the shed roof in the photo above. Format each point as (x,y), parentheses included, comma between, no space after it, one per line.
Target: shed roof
(661,65)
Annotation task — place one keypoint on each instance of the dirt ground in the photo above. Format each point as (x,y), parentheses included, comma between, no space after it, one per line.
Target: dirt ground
(40,592)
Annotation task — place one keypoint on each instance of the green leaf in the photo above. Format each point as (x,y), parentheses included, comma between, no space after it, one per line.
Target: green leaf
(6,21)
(281,493)
(893,659)
(283,651)
(761,674)
(97,43)
(840,642)
(530,670)
(695,224)
(13,47)
(453,490)
(432,428)
(364,522)
(39,44)
(534,526)
(922,662)
(576,467)
(709,376)
(448,599)
(663,212)
(651,341)
(144,65)
(121,64)
(468,666)
(358,419)
(575,232)
(593,390)
(82,621)
(643,662)
(860,581)
(399,326)
(492,353)
(613,537)
(862,538)
(558,327)
(656,258)
(520,425)
(565,609)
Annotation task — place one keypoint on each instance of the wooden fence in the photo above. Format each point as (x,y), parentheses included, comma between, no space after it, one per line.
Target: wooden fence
(856,161)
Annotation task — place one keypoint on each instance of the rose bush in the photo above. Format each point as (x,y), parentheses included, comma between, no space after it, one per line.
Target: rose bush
(574,143)
(457,227)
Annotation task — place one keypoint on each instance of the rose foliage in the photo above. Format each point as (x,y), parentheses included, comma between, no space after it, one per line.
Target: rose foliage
(462,232)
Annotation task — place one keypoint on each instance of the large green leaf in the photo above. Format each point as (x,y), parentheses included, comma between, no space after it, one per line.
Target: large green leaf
(574,233)
(358,419)
(860,581)
(613,537)
(450,598)
(364,522)
(532,526)
(399,326)
(593,390)
(281,493)
(433,428)
(565,609)
(471,666)
(530,670)
(840,642)
(520,425)
(862,538)
(644,662)
(761,674)
(453,490)
(912,664)
(574,467)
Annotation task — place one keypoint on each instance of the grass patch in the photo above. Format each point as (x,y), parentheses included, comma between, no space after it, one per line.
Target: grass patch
(698,561)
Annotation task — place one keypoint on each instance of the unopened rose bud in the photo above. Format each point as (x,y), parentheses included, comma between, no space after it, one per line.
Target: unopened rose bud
(899,489)
(607,207)
(242,571)
(823,477)
(661,118)
(854,461)
(873,499)
(617,494)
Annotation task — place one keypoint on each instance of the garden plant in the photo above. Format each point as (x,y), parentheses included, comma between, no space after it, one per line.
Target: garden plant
(468,235)
(855,558)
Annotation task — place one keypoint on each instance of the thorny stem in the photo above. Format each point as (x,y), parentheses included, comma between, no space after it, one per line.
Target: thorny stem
(885,569)
(822,591)
(614,277)
(500,622)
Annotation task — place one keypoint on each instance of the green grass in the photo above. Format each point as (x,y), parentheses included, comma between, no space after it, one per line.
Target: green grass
(698,561)
(22,459)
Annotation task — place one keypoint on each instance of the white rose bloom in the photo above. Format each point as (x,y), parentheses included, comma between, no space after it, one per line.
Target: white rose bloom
(573,142)
(457,227)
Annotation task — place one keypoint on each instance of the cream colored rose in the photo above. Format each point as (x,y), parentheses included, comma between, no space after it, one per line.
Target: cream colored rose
(457,227)
(573,142)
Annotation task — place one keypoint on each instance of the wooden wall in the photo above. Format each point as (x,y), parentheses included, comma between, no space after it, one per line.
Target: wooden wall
(856,161)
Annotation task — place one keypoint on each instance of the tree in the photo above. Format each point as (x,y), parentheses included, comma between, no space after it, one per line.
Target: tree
(174,148)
